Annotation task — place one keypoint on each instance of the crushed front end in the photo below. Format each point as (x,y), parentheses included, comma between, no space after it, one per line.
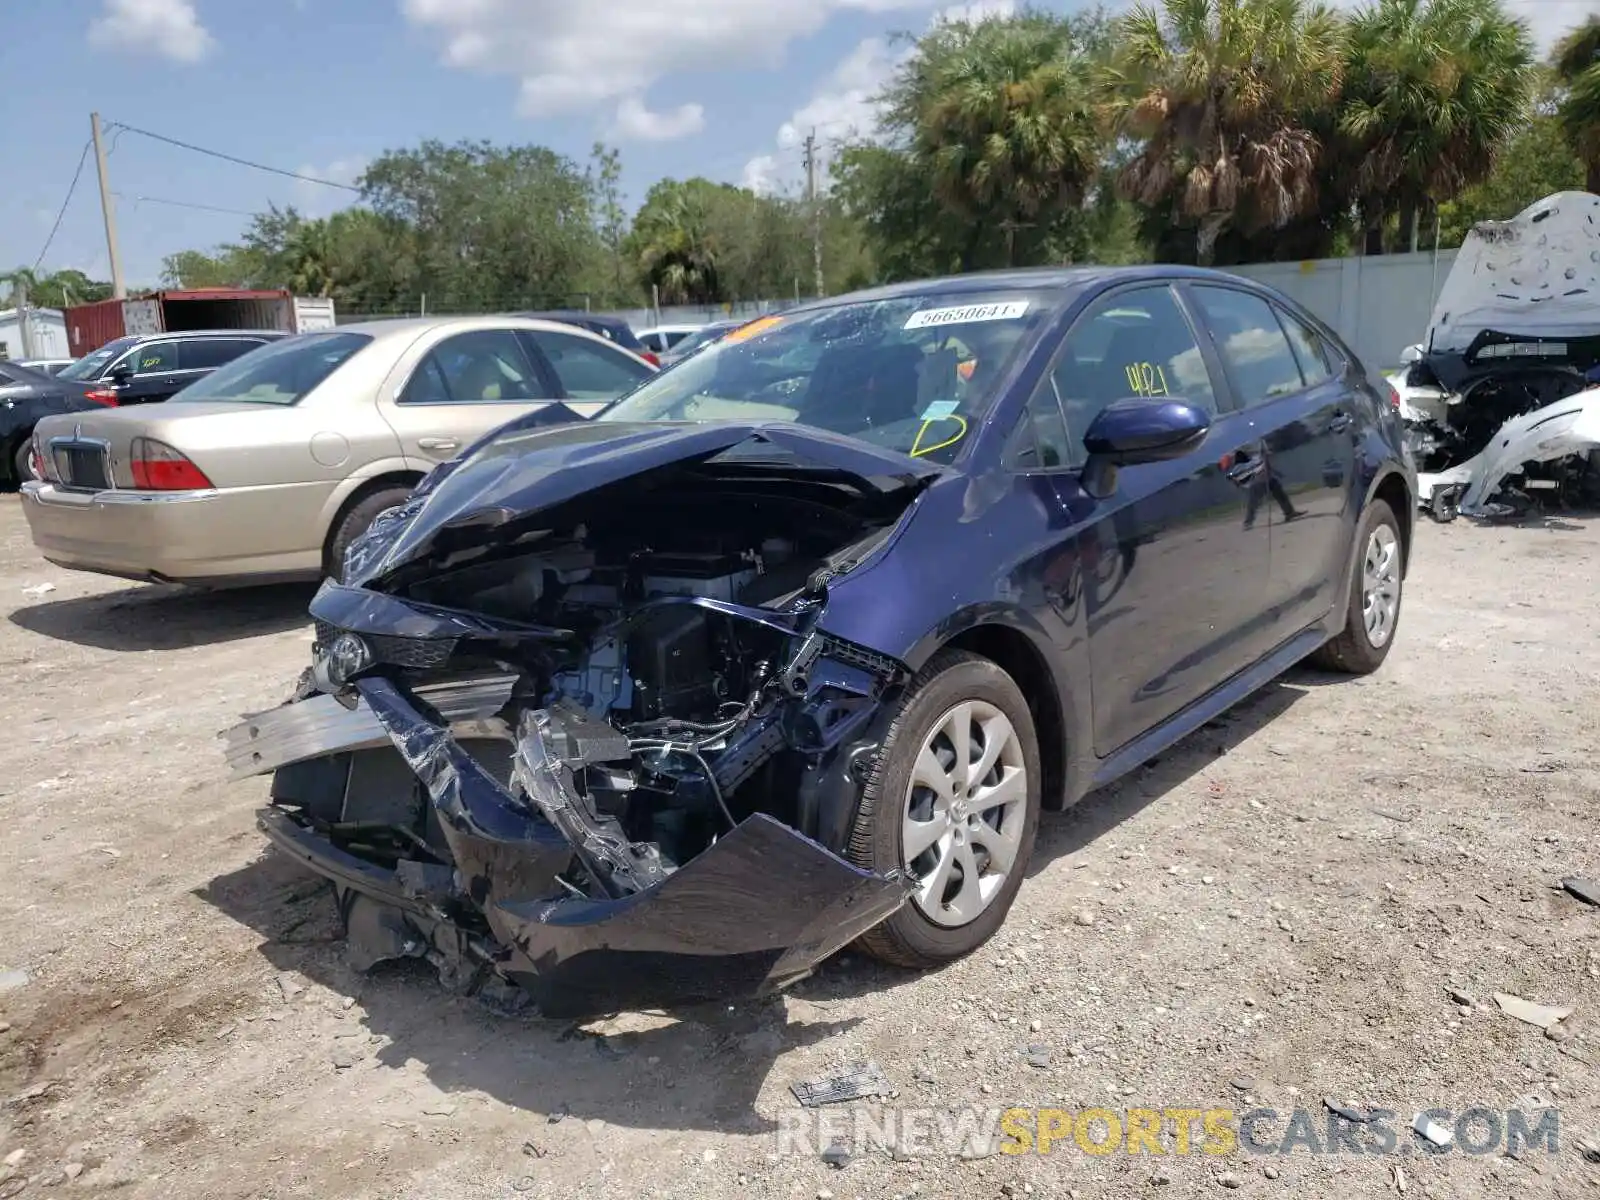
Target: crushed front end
(584,753)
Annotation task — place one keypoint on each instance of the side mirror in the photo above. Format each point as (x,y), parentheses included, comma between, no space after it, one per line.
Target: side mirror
(1139,430)
(121,374)
(1411,354)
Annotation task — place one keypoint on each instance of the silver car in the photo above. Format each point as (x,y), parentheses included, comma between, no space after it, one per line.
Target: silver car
(268,469)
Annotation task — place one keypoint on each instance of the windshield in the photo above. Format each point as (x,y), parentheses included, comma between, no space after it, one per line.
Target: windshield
(686,346)
(913,374)
(277,373)
(91,366)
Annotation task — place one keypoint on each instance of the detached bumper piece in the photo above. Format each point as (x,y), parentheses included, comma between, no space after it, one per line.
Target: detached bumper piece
(487,893)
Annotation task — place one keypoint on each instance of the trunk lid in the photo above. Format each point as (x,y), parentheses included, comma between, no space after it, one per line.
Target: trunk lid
(92,450)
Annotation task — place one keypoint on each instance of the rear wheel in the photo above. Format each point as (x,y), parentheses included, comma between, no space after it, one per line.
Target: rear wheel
(954,803)
(21,468)
(1372,609)
(356,521)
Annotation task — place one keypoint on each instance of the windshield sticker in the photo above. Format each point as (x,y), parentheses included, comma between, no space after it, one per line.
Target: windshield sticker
(745,332)
(939,410)
(967,314)
(918,449)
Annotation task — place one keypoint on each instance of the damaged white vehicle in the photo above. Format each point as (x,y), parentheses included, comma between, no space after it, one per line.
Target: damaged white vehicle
(1501,404)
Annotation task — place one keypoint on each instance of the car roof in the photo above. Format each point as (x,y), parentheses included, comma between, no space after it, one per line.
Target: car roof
(413,327)
(1062,279)
(202,333)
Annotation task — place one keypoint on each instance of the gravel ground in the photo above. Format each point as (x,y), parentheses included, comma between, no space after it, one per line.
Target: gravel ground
(1271,915)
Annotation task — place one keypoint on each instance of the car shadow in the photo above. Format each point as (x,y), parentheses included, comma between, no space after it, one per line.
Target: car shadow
(699,1067)
(1105,808)
(169,617)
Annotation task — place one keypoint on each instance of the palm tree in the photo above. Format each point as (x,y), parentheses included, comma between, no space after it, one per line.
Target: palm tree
(1218,92)
(1002,113)
(1434,91)
(1577,65)
(672,243)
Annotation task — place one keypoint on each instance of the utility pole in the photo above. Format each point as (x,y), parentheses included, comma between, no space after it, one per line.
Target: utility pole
(19,298)
(118,292)
(816,209)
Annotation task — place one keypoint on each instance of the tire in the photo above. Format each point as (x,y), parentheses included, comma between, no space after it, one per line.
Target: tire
(355,522)
(951,681)
(21,472)
(1356,651)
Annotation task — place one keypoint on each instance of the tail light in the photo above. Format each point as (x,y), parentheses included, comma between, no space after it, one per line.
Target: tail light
(157,467)
(101,396)
(651,357)
(1394,396)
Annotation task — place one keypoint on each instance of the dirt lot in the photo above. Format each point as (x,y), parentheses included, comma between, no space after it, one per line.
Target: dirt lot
(1281,904)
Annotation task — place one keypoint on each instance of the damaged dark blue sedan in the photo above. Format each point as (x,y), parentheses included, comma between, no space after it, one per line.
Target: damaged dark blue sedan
(788,648)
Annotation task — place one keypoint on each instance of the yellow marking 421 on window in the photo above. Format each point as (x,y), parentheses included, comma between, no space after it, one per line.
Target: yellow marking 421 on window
(1147,379)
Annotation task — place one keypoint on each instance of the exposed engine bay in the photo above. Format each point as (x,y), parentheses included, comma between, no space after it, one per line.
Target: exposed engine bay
(1508,428)
(535,718)
(1502,402)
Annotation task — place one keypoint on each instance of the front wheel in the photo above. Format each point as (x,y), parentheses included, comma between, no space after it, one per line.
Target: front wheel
(355,522)
(953,802)
(1372,609)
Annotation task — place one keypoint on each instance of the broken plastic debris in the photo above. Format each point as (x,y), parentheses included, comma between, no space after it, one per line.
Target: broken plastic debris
(1584,889)
(863,1081)
(39,589)
(1436,1133)
(10,980)
(1345,1111)
(1541,1015)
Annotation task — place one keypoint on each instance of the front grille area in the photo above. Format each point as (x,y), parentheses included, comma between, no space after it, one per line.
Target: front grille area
(80,466)
(409,654)
(412,654)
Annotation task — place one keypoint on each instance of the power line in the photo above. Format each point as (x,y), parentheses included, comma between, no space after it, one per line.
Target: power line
(73,187)
(243,162)
(232,212)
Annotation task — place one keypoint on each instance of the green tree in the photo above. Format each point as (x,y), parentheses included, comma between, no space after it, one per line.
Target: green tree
(611,221)
(1433,91)
(999,115)
(1537,161)
(1577,66)
(672,243)
(1216,93)
(494,226)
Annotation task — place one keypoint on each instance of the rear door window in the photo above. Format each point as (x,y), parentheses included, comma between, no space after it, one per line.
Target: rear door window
(1316,364)
(586,369)
(154,358)
(486,366)
(1253,347)
(206,354)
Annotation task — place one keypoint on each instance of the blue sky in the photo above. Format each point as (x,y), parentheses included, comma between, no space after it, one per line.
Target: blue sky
(723,88)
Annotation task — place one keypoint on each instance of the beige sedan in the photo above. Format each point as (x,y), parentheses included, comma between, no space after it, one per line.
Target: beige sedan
(266,470)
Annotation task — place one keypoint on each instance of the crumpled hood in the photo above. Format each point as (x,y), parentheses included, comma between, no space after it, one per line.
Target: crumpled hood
(530,465)
(1535,275)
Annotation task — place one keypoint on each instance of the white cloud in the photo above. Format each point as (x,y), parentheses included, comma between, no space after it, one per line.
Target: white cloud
(168,28)
(568,57)
(317,200)
(636,121)
(841,109)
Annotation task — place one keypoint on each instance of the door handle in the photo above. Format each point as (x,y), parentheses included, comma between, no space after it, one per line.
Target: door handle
(437,443)
(1339,422)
